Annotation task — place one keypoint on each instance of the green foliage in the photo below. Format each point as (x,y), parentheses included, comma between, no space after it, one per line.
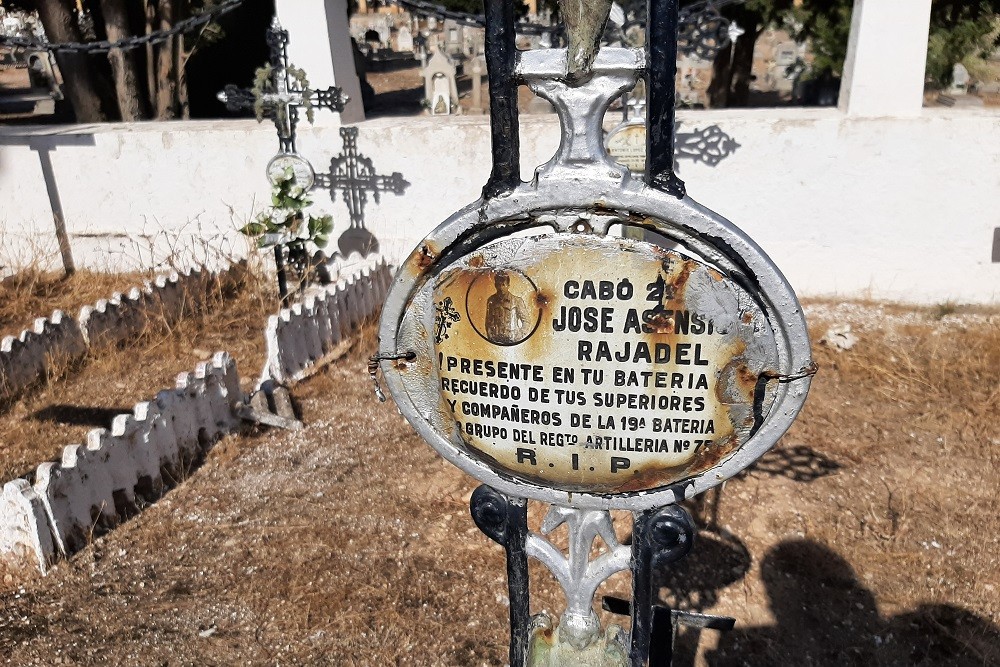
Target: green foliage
(286,222)
(960,32)
(263,84)
(827,24)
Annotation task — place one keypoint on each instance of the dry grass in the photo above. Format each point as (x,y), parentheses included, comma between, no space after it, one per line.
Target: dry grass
(109,382)
(871,536)
(32,293)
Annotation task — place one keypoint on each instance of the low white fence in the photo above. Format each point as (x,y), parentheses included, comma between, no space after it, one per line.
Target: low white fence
(95,486)
(303,337)
(61,340)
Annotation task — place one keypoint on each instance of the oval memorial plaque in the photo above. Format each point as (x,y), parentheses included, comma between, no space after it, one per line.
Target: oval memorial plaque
(553,360)
(594,364)
(302,170)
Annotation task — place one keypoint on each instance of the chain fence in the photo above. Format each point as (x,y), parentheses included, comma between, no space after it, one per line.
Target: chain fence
(126,43)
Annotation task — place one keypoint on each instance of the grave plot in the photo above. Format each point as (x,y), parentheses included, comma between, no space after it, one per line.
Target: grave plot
(350,542)
(110,379)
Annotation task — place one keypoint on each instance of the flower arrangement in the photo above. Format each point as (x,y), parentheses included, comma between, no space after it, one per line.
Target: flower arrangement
(287,227)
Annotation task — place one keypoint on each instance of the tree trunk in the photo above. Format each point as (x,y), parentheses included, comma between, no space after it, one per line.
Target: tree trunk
(150,8)
(180,79)
(123,63)
(722,74)
(742,66)
(166,93)
(78,77)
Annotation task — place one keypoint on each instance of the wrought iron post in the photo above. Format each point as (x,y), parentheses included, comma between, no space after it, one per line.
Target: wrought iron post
(505,521)
(501,56)
(661,91)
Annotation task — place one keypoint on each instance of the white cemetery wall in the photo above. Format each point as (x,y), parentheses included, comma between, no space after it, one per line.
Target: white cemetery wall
(846,206)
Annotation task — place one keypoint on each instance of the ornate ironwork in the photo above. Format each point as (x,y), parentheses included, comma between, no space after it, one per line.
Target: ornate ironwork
(282,105)
(659,538)
(354,175)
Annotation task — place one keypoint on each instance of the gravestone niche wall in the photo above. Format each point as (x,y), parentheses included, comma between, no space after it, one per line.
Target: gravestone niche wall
(440,88)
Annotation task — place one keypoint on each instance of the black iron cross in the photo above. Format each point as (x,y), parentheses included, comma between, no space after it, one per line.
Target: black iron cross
(354,175)
(282,105)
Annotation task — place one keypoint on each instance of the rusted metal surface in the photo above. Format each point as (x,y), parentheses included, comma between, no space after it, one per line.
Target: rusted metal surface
(596,364)
(709,267)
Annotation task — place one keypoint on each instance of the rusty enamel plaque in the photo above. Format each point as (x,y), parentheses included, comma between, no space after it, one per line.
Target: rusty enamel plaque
(596,364)
(541,348)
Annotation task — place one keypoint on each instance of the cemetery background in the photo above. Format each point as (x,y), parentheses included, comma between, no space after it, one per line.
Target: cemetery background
(895,567)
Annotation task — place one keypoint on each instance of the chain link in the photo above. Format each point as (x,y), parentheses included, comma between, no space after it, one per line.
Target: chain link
(127,43)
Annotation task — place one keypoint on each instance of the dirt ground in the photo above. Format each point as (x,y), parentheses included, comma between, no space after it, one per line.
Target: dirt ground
(869,536)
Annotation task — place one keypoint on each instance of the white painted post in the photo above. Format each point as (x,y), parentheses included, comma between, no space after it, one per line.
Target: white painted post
(321,45)
(886,56)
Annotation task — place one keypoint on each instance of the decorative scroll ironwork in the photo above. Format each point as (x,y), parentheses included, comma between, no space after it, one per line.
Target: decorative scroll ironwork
(659,538)
(354,175)
(286,95)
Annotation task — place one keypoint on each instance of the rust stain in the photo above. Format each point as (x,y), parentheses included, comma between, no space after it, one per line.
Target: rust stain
(746,380)
(427,256)
(680,282)
(476,261)
(708,457)
(662,323)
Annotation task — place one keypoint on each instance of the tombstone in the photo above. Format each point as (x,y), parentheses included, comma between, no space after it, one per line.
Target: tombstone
(404,39)
(454,40)
(959,80)
(440,95)
(477,70)
(440,88)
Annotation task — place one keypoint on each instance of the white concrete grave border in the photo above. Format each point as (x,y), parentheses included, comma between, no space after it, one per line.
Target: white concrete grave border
(303,337)
(118,471)
(53,342)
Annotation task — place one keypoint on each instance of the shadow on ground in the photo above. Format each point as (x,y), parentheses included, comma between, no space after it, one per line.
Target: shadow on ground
(824,615)
(79,415)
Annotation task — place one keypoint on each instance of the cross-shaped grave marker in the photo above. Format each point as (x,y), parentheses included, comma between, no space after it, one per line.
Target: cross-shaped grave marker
(354,175)
(289,92)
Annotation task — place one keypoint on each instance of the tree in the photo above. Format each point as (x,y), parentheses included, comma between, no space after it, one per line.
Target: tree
(959,29)
(79,79)
(148,82)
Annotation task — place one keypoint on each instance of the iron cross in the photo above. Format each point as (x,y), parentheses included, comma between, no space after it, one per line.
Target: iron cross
(281,104)
(354,176)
